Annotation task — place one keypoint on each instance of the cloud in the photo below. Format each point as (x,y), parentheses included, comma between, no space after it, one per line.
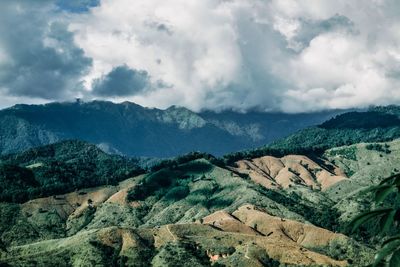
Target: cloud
(121,81)
(304,30)
(292,55)
(273,55)
(39,56)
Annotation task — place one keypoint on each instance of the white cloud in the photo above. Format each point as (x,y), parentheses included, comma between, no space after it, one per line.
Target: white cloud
(292,55)
(279,55)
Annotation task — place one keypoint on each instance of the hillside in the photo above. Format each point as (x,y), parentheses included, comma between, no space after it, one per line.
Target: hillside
(133,130)
(60,168)
(379,124)
(266,207)
(194,212)
(285,172)
(375,125)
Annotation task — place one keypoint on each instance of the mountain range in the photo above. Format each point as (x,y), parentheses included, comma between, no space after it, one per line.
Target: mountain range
(287,203)
(132,130)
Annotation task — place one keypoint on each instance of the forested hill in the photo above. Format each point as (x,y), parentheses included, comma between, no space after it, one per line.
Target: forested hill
(60,168)
(133,130)
(378,124)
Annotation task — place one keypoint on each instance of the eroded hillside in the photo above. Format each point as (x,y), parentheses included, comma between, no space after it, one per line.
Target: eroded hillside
(274,173)
(194,213)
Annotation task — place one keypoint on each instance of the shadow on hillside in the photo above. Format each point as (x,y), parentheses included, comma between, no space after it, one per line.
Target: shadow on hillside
(362,120)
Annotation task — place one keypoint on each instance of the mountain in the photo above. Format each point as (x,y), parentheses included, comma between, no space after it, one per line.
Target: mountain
(285,204)
(191,211)
(377,124)
(132,130)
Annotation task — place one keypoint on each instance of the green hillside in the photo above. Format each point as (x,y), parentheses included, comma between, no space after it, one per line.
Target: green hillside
(378,124)
(171,204)
(164,215)
(60,168)
(71,204)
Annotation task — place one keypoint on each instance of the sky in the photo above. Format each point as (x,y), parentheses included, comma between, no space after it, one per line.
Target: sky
(270,55)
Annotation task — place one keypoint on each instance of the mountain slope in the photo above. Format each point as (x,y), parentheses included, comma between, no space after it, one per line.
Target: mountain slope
(59,168)
(194,212)
(287,171)
(375,125)
(133,130)
(266,207)
(379,124)
(189,244)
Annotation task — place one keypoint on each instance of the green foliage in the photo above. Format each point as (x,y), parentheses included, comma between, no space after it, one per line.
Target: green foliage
(362,120)
(173,163)
(379,147)
(60,168)
(388,217)
(325,216)
(16,183)
(152,183)
(180,254)
(109,254)
(347,249)
(160,182)
(347,153)
(376,125)
(178,192)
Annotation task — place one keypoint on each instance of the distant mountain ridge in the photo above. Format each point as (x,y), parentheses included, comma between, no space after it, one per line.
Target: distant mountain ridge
(133,130)
(377,124)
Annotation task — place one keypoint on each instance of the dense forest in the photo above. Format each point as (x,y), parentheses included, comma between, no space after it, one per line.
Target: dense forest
(60,168)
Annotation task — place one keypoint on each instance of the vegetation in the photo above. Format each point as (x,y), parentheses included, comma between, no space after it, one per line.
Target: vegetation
(379,147)
(387,217)
(134,130)
(172,179)
(173,163)
(324,216)
(60,168)
(362,120)
(375,125)
(175,196)
(180,255)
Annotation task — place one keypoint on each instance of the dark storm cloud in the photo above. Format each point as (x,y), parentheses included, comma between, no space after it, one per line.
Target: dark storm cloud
(39,57)
(121,81)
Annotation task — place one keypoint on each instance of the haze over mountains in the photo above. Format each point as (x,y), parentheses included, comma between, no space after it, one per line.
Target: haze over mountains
(133,130)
